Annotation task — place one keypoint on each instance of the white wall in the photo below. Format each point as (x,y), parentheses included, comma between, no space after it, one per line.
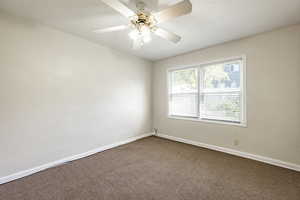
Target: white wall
(273,97)
(61,95)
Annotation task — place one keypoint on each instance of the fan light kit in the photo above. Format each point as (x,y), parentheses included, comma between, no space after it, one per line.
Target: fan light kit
(143,23)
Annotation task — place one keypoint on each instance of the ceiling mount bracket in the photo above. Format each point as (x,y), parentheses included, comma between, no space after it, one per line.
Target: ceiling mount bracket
(140,5)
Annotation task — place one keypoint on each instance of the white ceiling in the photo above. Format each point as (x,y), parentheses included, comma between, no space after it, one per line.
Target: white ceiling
(211,22)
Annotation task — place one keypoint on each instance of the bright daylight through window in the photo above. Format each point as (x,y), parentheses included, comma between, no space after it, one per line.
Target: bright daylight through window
(209,92)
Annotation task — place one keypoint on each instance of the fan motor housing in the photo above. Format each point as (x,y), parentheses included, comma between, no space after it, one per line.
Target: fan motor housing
(144,19)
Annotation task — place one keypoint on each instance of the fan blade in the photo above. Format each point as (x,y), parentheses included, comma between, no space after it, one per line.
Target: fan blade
(111,29)
(167,35)
(179,9)
(120,7)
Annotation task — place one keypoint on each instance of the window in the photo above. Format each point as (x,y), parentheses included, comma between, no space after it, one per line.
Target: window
(209,92)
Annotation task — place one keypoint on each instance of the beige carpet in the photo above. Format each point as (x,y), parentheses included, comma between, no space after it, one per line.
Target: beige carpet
(154,168)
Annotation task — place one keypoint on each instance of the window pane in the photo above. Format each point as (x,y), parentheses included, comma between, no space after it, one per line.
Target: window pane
(224,75)
(184,104)
(220,106)
(184,81)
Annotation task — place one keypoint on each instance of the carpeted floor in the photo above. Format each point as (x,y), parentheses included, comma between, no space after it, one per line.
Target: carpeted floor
(155,168)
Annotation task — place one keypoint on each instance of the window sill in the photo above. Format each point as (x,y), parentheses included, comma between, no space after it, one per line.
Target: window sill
(208,121)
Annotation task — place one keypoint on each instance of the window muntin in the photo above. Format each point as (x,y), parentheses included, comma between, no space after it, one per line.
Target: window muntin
(208,92)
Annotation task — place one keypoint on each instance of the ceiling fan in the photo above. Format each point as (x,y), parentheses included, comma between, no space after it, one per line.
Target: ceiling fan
(143,22)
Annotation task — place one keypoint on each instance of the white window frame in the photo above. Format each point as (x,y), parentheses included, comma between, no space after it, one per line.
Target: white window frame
(243,121)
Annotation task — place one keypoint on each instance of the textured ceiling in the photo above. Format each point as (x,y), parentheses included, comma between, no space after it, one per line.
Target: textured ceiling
(211,22)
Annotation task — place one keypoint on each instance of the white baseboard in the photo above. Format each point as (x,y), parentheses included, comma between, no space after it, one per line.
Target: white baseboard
(271,161)
(28,172)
